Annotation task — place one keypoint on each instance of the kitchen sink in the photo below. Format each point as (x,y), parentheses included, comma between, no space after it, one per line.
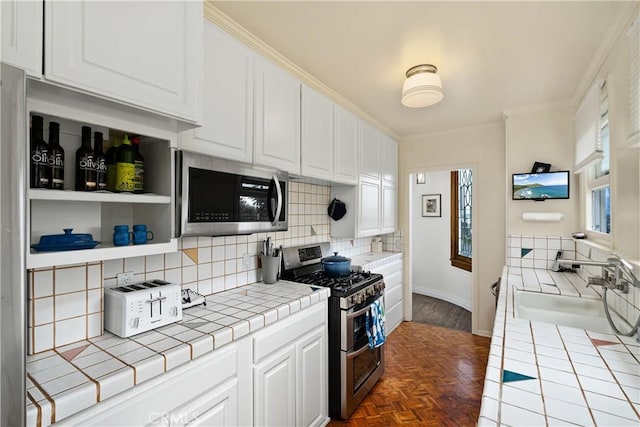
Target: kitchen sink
(576,312)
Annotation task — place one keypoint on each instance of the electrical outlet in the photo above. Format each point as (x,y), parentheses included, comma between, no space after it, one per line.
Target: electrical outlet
(246,261)
(124,279)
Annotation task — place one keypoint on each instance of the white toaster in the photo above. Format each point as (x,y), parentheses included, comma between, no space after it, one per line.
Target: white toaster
(139,307)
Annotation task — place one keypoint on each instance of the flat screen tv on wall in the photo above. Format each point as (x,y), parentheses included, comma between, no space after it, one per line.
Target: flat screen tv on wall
(540,186)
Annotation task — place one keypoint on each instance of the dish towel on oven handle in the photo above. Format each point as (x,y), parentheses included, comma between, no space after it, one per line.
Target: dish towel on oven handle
(375,324)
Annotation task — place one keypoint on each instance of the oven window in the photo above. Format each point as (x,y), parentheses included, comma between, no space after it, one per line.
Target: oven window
(360,338)
(363,366)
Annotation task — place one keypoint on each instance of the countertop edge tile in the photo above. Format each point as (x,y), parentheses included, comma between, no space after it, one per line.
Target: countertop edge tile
(163,361)
(583,353)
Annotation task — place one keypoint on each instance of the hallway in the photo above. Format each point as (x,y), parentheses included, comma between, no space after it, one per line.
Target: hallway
(433,311)
(434,377)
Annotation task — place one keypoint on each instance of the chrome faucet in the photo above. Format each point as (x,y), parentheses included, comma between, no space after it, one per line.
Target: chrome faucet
(617,274)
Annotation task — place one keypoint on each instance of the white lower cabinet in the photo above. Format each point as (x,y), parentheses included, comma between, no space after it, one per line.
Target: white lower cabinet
(392,272)
(275,389)
(290,371)
(204,392)
(274,377)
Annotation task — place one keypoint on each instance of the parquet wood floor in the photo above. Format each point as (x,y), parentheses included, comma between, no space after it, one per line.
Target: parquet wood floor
(433,377)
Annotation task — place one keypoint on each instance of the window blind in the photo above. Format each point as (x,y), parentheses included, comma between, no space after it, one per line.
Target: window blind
(634,83)
(586,123)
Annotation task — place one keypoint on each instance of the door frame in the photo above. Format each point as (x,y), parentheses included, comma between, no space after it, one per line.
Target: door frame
(408,243)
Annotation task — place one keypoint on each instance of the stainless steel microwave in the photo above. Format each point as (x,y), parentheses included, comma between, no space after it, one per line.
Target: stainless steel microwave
(217,197)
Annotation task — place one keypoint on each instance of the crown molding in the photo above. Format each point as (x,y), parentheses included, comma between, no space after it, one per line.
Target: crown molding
(518,111)
(225,22)
(415,137)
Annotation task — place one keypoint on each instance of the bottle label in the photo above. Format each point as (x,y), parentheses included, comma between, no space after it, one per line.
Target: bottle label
(87,163)
(139,176)
(56,161)
(40,157)
(125,176)
(101,174)
(101,166)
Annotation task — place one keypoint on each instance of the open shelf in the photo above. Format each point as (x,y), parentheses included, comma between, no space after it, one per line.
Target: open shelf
(103,251)
(97,213)
(88,196)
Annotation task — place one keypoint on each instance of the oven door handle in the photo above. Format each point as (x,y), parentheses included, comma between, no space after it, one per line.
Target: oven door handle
(358,313)
(358,352)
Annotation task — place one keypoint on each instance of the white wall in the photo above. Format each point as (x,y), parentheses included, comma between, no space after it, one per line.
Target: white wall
(543,134)
(483,149)
(432,273)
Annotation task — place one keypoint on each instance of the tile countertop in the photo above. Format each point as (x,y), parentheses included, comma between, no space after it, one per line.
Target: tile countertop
(544,374)
(66,380)
(371,260)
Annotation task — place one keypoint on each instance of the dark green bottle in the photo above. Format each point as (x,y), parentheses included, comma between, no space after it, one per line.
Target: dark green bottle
(85,163)
(125,167)
(101,166)
(56,157)
(110,160)
(40,169)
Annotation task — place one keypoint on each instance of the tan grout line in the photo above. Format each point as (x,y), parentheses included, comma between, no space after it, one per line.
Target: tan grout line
(611,371)
(53,309)
(582,391)
(535,355)
(46,395)
(39,409)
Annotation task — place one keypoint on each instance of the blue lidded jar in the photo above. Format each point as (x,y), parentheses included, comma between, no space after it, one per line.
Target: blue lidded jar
(121,235)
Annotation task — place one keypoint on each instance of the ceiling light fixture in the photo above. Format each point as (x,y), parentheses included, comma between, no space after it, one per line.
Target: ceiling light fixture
(423,87)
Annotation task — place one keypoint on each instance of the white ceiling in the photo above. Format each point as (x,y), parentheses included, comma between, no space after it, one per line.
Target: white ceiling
(492,56)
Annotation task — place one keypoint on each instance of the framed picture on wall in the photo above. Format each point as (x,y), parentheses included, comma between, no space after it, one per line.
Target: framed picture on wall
(431,205)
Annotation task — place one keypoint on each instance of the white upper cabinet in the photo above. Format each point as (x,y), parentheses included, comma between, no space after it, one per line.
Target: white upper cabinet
(368,209)
(389,161)
(345,146)
(277,118)
(371,205)
(317,143)
(389,209)
(369,151)
(22,35)
(227,99)
(146,54)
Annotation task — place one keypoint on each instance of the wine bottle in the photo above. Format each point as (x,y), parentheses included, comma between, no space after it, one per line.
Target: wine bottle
(110,160)
(40,169)
(56,157)
(101,166)
(139,165)
(125,167)
(85,163)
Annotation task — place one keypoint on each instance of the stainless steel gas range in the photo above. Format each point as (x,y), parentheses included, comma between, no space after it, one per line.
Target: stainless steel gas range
(354,367)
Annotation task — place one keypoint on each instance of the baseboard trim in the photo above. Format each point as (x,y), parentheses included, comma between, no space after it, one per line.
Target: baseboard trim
(483,333)
(443,296)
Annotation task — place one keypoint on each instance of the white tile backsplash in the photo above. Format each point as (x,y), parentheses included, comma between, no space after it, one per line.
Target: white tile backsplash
(206,264)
